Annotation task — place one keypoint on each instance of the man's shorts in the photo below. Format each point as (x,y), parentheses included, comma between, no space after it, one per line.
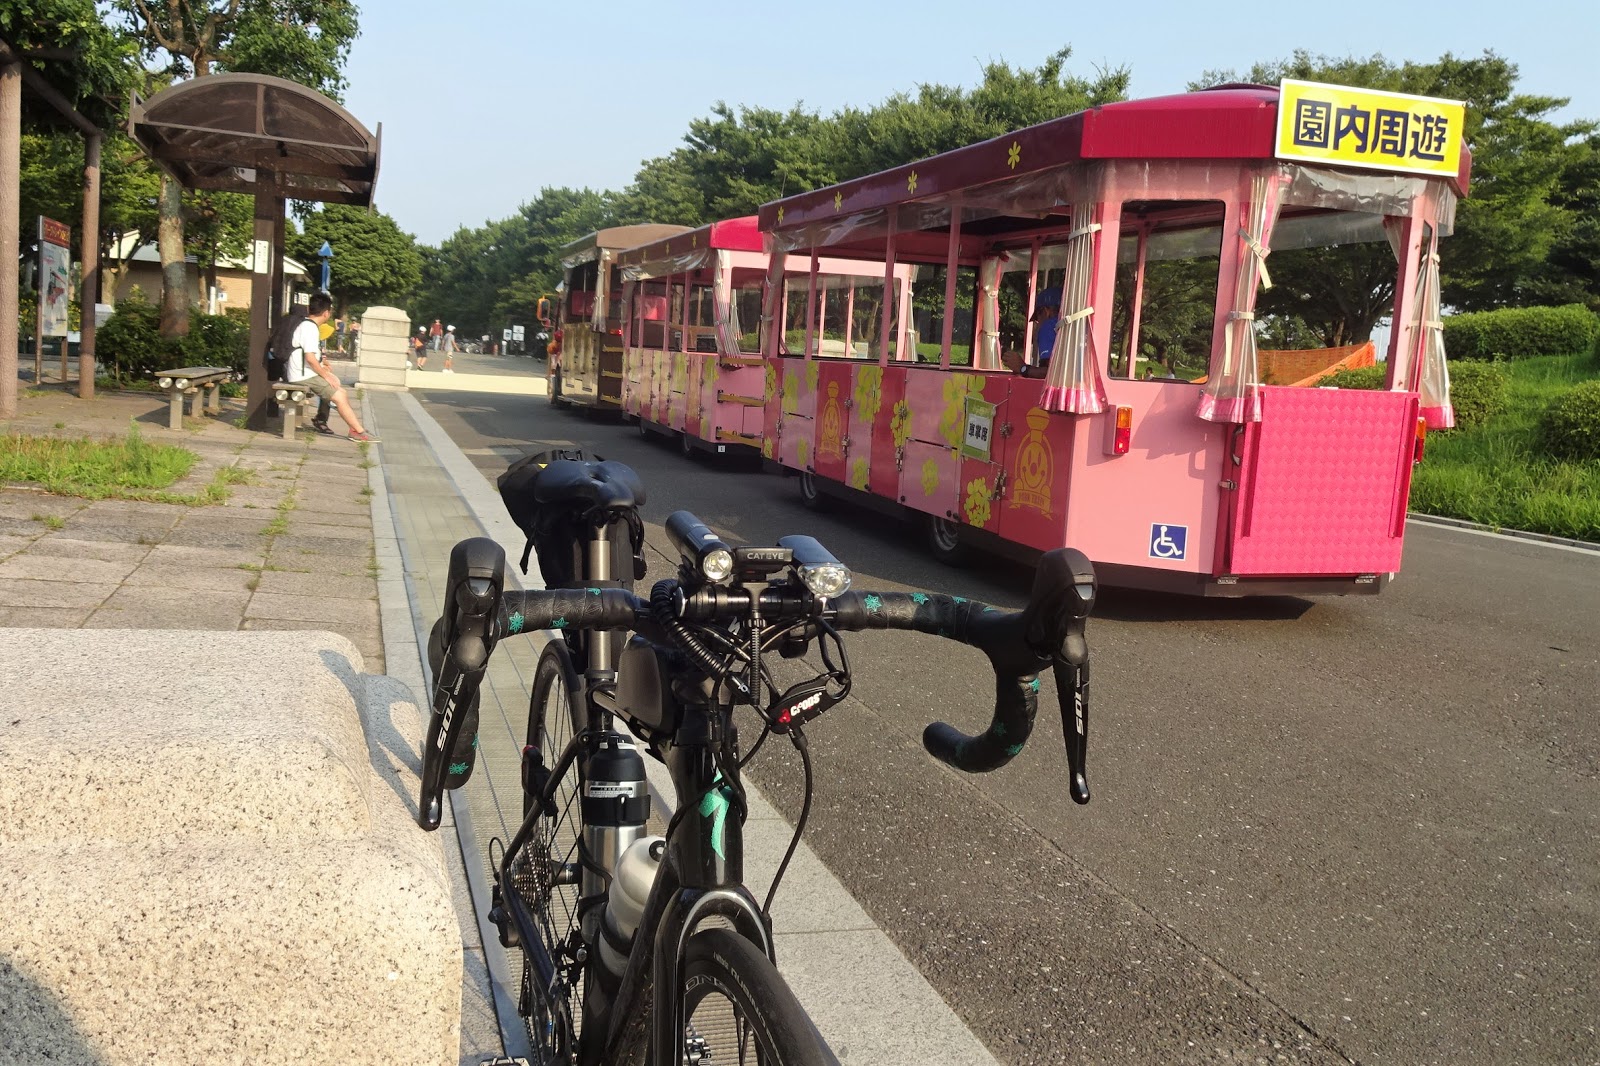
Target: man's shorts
(317,386)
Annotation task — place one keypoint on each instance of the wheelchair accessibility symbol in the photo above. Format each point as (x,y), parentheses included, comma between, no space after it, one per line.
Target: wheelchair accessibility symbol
(1168,542)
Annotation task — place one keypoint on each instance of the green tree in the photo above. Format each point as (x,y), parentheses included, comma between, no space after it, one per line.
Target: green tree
(374,261)
(307,41)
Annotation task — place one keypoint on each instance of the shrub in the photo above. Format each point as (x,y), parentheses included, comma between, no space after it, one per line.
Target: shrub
(1519,332)
(217,340)
(1478,392)
(1570,426)
(131,340)
(1361,377)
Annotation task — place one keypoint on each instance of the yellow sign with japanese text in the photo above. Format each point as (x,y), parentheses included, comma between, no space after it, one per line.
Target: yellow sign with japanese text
(1338,125)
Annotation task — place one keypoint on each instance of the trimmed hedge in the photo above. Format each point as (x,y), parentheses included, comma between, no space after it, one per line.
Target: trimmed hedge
(132,344)
(1570,427)
(1519,332)
(1361,377)
(1478,391)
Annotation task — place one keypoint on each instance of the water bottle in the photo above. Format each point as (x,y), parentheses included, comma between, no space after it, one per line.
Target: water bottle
(630,890)
(616,806)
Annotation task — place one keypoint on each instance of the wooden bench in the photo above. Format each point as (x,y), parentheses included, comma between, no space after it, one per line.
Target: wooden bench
(290,399)
(204,383)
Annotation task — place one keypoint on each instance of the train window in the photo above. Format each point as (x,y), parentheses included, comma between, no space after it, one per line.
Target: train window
(1164,301)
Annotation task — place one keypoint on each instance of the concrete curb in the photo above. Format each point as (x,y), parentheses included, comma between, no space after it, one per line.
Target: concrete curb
(1496,531)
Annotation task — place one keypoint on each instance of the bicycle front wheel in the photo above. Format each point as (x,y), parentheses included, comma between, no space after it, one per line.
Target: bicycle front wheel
(545,874)
(737,1008)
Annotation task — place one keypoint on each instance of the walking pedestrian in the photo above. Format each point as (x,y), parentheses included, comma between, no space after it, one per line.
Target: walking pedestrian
(448,346)
(419,347)
(435,335)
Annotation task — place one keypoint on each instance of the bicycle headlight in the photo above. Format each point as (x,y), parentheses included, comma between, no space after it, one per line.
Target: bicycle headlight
(826,580)
(717,565)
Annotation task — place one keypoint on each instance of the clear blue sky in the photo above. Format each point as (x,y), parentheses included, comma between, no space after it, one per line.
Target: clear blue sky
(484,102)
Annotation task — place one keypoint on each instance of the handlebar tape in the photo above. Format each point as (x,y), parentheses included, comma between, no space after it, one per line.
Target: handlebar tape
(585,608)
(998,634)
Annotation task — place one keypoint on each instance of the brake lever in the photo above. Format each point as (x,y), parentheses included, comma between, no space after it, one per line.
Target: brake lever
(1064,594)
(462,641)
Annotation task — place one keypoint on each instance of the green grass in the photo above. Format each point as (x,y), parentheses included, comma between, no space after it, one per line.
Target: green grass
(50,521)
(1498,474)
(128,468)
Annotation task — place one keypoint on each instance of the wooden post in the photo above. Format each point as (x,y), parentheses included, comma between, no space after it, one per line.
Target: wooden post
(89,290)
(268,209)
(10,195)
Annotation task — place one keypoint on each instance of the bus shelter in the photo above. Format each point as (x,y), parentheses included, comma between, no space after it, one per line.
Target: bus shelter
(274,139)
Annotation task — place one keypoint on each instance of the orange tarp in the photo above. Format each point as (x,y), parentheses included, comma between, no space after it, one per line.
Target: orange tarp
(1306,366)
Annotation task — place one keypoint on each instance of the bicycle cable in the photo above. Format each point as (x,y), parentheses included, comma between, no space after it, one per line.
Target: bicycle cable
(798,737)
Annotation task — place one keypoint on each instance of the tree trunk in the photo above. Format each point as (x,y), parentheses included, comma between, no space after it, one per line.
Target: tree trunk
(175,296)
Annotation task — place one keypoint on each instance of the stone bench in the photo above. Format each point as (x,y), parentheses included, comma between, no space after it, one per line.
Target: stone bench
(208,853)
(292,400)
(202,382)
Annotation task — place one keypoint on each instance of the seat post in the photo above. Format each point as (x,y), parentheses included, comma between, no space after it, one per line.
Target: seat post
(601,651)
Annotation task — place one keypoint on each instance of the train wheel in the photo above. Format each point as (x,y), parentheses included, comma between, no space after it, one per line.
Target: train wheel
(947,542)
(811,493)
(686,445)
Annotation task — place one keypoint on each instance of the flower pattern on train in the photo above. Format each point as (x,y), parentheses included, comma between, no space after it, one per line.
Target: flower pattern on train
(813,373)
(766,447)
(930,477)
(868,392)
(791,391)
(802,452)
(772,383)
(977,505)
(957,387)
(858,473)
(900,424)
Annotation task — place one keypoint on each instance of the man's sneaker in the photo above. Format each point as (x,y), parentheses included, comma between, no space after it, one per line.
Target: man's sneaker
(323,427)
(363,438)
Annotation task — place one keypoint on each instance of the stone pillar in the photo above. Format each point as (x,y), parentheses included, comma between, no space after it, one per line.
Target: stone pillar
(385,335)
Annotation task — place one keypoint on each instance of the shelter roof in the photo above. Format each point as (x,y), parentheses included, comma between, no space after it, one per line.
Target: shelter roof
(222,130)
(1228,122)
(588,247)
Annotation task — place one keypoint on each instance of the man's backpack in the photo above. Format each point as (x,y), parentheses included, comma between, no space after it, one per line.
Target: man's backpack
(281,343)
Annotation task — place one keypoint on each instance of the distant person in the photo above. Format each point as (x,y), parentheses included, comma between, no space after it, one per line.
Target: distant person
(419,347)
(338,334)
(304,366)
(448,346)
(355,337)
(435,335)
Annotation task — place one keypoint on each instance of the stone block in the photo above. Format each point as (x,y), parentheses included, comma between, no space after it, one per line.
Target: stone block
(208,853)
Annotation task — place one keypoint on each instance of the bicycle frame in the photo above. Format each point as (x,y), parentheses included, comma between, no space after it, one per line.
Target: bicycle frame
(702,869)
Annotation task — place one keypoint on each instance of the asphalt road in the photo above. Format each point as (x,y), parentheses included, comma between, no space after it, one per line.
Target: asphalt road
(1343,830)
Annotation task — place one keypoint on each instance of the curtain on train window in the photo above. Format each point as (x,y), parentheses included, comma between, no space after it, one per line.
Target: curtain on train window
(1428,373)
(772,305)
(987,357)
(728,328)
(602,292)
(1074,383)
(1232,391)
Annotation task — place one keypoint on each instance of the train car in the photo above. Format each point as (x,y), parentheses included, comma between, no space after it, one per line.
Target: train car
(1133,241)
(691,328)
(584,366)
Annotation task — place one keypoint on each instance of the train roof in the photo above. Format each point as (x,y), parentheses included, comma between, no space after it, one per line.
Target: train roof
(1226,122)
(588,247)
(733,234)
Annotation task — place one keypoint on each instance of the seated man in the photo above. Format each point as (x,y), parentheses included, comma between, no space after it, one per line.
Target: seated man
(305,367)
(1049,320)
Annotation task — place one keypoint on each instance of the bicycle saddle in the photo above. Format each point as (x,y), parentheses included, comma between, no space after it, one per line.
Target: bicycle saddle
(603,485)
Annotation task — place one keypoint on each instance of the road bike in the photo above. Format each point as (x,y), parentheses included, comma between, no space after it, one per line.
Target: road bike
(650,949)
